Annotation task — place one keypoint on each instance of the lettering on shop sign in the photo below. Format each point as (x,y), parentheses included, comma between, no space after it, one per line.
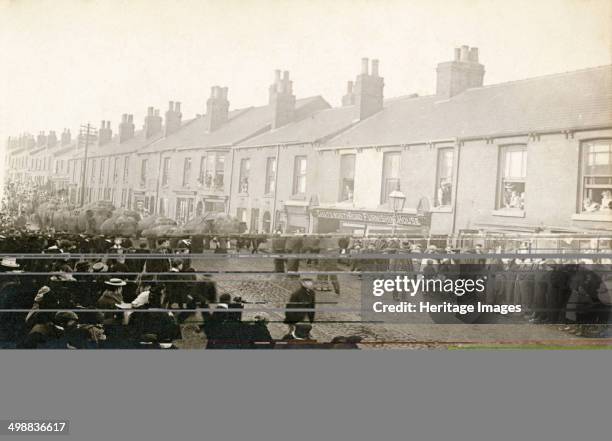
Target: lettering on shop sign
(364,216)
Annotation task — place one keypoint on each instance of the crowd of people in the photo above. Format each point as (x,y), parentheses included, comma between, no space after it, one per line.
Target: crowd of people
(68,290)
(90,290)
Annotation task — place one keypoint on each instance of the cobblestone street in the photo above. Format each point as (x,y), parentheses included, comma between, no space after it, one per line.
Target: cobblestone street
(251,278)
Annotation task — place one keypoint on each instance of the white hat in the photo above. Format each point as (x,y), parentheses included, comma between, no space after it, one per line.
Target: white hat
(10,262)
(116,282)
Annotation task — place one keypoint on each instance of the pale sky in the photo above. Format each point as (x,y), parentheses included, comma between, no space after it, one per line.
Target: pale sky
(64,63)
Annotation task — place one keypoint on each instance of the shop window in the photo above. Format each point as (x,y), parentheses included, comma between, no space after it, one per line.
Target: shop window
(184,209)
(596,179)
(444,177)
(347,177)
(512,177)
(245,168)
(390,176)
(270,174)
(299,175)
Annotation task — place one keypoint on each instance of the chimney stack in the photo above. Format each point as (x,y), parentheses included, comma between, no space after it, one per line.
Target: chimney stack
(126,127)
(41,139)
(173,118)
(349,98)
(105,134)
(66,137)
(152,122)
(464,72)
(368,89)
(52,139)
(217,108)
(282,99)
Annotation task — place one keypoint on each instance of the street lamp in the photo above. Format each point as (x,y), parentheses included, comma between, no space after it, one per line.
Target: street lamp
(398,199)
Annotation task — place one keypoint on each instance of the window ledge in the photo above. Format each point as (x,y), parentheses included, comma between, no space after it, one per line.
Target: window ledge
(595,216)
(442,209)
(508,213)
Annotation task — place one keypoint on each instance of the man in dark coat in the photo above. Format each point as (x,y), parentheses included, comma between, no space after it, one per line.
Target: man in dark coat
(302,298)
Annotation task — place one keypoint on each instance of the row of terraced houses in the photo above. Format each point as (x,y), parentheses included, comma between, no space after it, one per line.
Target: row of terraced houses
(527,155)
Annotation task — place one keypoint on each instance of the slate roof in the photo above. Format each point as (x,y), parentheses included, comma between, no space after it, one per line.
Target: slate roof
(317,126)
(571,100)
(242,124)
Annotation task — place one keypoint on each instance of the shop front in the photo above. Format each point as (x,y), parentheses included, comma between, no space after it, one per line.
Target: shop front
(368,222)
(297,215)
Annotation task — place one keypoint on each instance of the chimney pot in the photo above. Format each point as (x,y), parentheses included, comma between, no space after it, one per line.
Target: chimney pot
(453,78)
(474,54)
(364,66)
(130,118)
(173,118)
(374,68)
(349,87)
(286,75)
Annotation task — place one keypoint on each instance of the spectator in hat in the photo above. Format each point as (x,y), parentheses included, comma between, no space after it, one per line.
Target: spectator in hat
(302,298)
(118,265)
(112,295)
(155,320)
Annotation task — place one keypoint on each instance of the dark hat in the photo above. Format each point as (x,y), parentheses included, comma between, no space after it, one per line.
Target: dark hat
(82,267)
(63,317)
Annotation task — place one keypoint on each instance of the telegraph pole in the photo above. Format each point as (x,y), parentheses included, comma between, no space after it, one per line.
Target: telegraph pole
(88,133)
